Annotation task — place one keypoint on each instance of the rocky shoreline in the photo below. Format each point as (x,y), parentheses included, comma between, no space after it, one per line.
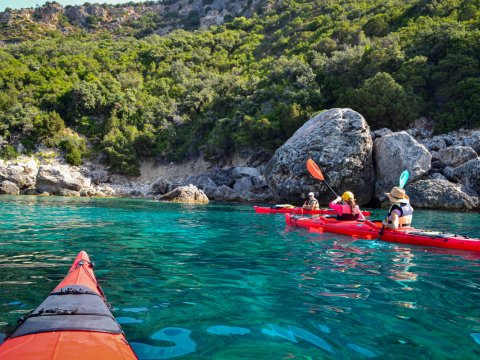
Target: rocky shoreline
(444,169)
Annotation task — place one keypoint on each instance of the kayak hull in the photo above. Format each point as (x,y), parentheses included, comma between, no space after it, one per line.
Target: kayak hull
(297,211)
(371,230)
(73,321)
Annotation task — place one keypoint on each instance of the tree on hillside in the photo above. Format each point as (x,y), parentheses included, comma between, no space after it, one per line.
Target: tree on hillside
(383,102)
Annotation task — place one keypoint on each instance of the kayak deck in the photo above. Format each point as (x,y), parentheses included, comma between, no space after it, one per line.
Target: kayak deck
(73,320)
(67,345)
(371,230)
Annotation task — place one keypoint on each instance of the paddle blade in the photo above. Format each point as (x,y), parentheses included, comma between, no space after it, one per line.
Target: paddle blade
(314,170)
(403,178)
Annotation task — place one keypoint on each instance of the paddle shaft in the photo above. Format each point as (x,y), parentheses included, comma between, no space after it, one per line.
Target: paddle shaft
(330,188)
(381,233)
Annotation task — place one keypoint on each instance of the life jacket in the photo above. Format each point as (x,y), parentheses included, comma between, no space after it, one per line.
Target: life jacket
(314,204)
(405,219)
(347,213)
(347,217)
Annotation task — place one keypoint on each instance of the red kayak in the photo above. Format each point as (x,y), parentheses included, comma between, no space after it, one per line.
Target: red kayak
(297,210)
(371,230)
(74,321)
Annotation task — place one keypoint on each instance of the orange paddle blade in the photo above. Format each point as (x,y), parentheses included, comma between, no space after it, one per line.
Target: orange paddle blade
(314,170)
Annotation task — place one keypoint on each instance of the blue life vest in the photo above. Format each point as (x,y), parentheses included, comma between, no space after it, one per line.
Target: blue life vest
(406,211)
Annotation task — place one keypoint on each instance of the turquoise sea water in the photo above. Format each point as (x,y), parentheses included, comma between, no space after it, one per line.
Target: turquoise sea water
(221,282)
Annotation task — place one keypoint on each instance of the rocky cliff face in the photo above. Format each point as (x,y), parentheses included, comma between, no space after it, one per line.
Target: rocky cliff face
(162,16)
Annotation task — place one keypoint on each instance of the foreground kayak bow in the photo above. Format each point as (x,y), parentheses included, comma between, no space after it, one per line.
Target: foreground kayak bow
(370,230)
(297,210)
(73,321)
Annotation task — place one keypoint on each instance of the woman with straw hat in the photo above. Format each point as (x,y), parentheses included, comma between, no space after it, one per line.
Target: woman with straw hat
(400,213)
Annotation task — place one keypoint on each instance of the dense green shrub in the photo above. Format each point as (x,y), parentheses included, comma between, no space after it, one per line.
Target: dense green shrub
(8,152)
(249,83)
(383,101)
(47,125)
(74,157)
(74,148)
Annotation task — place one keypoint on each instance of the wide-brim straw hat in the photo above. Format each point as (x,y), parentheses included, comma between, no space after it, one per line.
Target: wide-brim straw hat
(398,195)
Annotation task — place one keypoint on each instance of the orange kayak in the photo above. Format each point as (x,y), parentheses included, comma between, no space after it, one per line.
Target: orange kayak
(74,321)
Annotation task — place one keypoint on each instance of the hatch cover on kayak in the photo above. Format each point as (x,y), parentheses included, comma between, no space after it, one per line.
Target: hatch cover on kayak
(432,234)
(72,308)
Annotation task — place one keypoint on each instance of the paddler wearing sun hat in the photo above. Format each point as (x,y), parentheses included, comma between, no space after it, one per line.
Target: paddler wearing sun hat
(400,213)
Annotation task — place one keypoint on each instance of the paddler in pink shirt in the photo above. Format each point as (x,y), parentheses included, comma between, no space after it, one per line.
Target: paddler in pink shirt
(348,209)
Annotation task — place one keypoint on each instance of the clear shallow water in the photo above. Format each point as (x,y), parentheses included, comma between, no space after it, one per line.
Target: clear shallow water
(220,282)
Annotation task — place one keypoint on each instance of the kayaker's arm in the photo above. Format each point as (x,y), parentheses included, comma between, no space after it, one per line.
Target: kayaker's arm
(359,213)
(337,200)
(335,206)
(394,224)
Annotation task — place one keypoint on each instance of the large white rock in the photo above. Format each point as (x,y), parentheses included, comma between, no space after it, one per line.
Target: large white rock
(339,141)
(442,194)
(52,178)
(203,182)
(434,144)
(160,186)
(21,172)
(68,193)
(395,153)
(473,140)
(185,194)
(226,193)
(243,185)
(468,174)
(382,132)
(99,176)
(9,188)
(456,155)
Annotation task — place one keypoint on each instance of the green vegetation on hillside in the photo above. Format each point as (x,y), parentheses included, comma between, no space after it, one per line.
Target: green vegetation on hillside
(247,84)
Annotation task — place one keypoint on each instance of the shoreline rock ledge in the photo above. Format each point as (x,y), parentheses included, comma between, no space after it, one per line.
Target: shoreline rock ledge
(444,169)
(189,194)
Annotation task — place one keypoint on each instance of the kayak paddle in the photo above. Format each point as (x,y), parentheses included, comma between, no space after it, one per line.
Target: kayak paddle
(401,182)
(315,171)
